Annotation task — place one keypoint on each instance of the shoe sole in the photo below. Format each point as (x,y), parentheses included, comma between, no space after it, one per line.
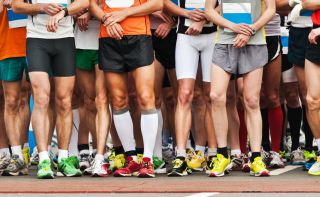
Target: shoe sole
(48,176)
(99,175)
(176,174)
(276,166)
(60,174)
(146,175)
(226,171)
(262,174)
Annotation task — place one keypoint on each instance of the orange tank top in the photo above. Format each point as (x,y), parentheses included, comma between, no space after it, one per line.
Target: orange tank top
(136,25)
(12,41)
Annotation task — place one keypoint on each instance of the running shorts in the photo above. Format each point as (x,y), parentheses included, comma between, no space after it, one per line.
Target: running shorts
(191,49)
(87,59)
(125,55)
(11,69)
(274,47)
(289,76)
(56,55)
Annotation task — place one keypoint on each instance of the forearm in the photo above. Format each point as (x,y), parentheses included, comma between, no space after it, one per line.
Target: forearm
(311,4)
(146,8)
(174,9)
(266,16)
(96,10)
(78,6)
(21,7)
(214,16)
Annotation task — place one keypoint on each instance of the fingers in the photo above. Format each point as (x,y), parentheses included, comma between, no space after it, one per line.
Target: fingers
(245,29)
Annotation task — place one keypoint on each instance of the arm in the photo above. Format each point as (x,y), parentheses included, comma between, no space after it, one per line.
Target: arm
(1,6)
(311,4)
(21,7)
(267,15)
(195,15)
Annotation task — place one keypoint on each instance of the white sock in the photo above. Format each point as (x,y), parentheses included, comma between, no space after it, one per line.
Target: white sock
(26,145)
(17,150)
(318,143)
(5,151)
(99,157)
(158,145)
(43,156)
(212,152)
(73,146)
(62,154)
(181,153)
(189,145)
(149,128)
(201,148)
(235,152)
(124,127)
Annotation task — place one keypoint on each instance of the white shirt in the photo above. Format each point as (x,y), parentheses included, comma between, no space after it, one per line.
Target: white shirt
(89,39)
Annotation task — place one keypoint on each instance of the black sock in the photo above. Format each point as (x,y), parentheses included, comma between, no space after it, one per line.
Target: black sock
(265,130)
(131,153)
(255,155)
(294,119)
(118,150)
(140,150)
(83,147)
(223,151)
(307,130)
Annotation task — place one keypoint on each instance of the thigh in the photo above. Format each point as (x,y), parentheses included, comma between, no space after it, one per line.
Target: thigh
(187,58)
(252,83)
(64,87)
(40,84)
(64,61)
(206,58)
(100,83)
(312,73)
(86,82)
(272,76)
(38,55)
(144,81)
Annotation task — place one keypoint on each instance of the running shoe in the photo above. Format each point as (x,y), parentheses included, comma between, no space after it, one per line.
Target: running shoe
(265,157)
(118,162)
(34,159)
(197,162)
(180,167)
(221,167)
(159,165)
(68,167)
(89,170)
(275,160)
(84,159)
(309,155)
(140,157)
(190,153)
(4,162)
(131,168)
(74,161)
(16,167)
(210,164)
(283,155)
(45,170)
(237,162)
(297,157)
(100,168)
(26,155)
(246,164)
(168,157)
(258,168)
(315,168)
(147,169)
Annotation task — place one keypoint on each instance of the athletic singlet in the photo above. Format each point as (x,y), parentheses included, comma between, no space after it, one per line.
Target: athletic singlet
(316,18)
(241,11)
(304,20)
(37,24)
(13,38)
(137,25)
(273,26)
(184,23)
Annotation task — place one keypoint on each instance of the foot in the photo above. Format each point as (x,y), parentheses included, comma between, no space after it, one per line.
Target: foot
(159,165)
(258,168)
(237,162)
(315,168)
(147,169)
(297,157)
(100,168)
(16,167)
(44,170)
(180,167)
(246,164)
(67,167)
(210,164)
(221,167)
(26,155)
(197,162)
(85,159)
(131,169)
(276,160)
(4,162)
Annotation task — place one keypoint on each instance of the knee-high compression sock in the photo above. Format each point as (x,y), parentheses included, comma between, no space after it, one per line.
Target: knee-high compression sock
(275,117)
(265,130)
(294,119)
(149,128)
(307,130)
(243,133)
(124,126)
(158,145)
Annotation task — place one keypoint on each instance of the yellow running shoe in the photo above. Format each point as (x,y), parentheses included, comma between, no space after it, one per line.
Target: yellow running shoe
(221,167)
(140,157)
(26,155)
(197,162)
(315,168)
(258,168)
(118,162)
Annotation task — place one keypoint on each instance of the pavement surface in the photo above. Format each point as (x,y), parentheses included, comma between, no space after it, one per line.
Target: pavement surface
(290,180)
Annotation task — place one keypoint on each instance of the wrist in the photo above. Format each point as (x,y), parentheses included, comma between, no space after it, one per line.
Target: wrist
(66,11)
(103,18)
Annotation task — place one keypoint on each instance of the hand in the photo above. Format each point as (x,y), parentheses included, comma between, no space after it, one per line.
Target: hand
(163,30)
(115,17)
(195,15)
(78,14)
(164,17)
(51,8)
(242,29)
(241,40)
(195,28)
(83,21)
(52,25)
(7,3)
(115,31)
(313,36)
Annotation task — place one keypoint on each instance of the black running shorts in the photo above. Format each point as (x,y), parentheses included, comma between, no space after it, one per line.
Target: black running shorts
(125,55)
(274,47)
(56,55)
(313,52)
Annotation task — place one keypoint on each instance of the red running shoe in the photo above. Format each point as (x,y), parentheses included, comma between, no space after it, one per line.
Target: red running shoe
(131,169)
(147,169)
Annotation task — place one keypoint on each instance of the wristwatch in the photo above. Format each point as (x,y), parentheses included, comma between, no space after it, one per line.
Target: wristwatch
(66,12)
(254,31)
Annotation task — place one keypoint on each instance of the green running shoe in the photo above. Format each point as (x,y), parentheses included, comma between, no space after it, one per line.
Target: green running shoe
(159,165)
(75,161)
(44,170)
(66,167)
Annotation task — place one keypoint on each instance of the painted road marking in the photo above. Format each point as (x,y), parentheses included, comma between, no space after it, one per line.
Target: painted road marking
(204,194)
(283,170)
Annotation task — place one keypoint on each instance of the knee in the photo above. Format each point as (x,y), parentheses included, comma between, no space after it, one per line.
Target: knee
(119,102)
(292,100)
(64,103)
(273,100)
(12,103)
(146,100)
(101,101)
(41,101)
(313,102)
(251,102)
(185,96)
(158,101)
(89,103)
(218,99)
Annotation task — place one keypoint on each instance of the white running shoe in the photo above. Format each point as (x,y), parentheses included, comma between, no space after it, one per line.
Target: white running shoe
(276,160)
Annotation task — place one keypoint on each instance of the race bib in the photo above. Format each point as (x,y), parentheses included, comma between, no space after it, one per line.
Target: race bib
(237,13)
(284,39)
(192,5)
(64,3)
(16,20)
(119,3)
(306,13)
